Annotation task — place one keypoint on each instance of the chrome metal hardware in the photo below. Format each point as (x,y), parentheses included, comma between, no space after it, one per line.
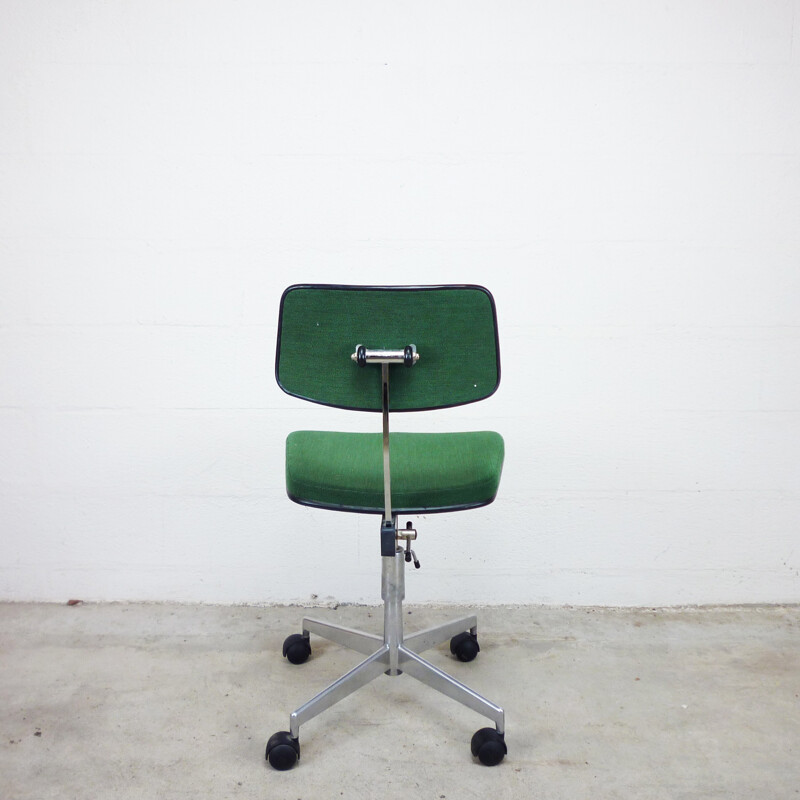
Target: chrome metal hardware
(363,356)
(387,461)
(407,356)
(393,654)
(409,534)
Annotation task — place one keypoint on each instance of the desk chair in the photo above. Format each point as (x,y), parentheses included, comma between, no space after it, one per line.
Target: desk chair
(338,346)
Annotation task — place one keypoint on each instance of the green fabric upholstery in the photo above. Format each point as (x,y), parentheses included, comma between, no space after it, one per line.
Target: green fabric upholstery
(455,331)
(430,471)
(453,327)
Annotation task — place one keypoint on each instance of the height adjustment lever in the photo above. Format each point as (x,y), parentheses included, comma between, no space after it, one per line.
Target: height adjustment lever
(409,534)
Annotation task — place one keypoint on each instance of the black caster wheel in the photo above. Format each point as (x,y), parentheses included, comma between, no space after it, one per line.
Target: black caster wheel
(489,746)
(296,648)
(283,751)
(465,646)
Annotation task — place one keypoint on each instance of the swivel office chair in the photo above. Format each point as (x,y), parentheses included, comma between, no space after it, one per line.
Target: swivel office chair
(338,346)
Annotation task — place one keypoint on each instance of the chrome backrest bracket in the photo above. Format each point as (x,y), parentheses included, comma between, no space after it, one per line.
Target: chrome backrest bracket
(408,356)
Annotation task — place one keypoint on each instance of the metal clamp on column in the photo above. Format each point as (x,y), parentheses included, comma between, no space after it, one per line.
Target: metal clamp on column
(408,356)
(389,537)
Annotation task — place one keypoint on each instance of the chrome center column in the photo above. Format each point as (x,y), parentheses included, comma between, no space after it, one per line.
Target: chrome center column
(393,592)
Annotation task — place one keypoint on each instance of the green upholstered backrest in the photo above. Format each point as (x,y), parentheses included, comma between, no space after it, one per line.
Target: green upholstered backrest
(453,327)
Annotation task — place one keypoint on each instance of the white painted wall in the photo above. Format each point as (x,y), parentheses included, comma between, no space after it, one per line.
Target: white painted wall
(624,176)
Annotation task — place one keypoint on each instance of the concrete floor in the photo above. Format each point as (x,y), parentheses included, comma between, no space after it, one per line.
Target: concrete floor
(166,701)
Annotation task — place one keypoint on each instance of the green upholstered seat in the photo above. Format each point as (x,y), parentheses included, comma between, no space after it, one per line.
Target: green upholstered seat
(454,329)
(430,471)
